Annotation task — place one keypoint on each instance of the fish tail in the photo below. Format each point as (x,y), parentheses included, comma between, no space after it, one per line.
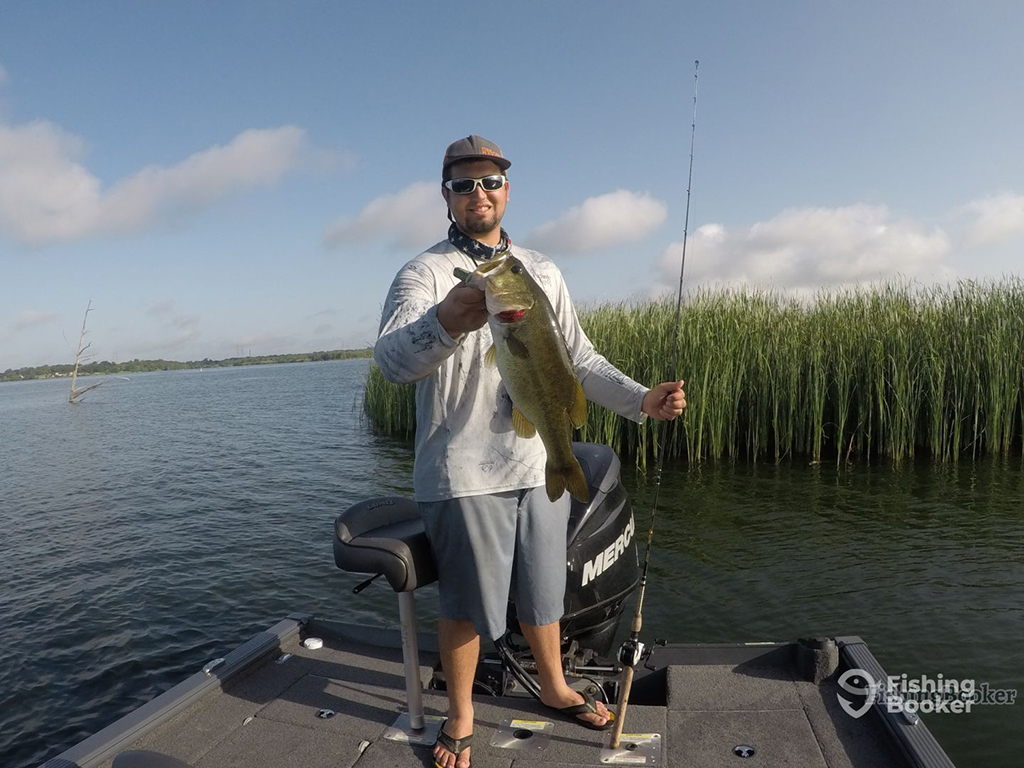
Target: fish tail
(558,480)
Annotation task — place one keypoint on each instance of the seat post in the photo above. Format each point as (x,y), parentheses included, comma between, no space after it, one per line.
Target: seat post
(411,657)
(385,535)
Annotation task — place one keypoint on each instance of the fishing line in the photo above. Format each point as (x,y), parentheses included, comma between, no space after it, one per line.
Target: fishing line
(632,649)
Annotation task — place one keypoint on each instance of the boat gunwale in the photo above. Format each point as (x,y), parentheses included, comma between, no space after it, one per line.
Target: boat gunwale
(109,741)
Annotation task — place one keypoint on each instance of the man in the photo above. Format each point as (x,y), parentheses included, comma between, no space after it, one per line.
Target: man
(480,488)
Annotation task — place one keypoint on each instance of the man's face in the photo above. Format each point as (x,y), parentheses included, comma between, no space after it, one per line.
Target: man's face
(479,213)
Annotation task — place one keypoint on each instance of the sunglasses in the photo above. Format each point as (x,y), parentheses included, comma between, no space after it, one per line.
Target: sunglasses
(468,186)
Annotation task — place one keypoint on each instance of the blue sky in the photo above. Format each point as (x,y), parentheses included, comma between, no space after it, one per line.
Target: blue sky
(249,176)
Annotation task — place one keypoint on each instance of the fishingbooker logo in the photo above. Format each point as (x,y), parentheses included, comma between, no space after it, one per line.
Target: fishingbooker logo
(606,559)
(910,695)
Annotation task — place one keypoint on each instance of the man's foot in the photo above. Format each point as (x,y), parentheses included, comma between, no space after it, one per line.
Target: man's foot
(446,751)
(567,697)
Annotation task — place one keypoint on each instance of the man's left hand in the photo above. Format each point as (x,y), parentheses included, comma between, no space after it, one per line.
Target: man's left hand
(665,401)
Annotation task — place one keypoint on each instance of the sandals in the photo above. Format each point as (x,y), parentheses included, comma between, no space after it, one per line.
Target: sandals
(455,746)
(588,706)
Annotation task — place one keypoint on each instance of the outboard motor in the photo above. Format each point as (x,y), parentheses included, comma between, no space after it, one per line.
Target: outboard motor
(603,572)
(602,560)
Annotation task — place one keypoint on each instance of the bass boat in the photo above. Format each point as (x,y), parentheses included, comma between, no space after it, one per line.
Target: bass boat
(311,691)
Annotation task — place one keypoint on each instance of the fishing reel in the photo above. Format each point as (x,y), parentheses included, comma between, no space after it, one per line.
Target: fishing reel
(630,652)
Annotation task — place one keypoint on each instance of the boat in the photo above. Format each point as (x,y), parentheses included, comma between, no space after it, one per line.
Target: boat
(311,691)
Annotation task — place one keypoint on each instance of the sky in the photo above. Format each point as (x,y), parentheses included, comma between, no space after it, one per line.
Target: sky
(247,177)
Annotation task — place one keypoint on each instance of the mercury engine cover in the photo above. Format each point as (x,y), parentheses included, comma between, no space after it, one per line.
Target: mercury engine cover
(601,558)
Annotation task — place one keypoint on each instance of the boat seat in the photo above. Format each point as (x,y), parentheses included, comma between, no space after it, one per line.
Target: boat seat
(385,535)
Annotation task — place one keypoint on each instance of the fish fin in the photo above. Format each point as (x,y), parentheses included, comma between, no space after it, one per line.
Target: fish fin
(516,347)
(491,356)
(522,425)
(578,411)
(557,480)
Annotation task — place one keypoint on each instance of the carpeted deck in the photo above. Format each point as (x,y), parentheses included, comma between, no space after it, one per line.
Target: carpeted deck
(268,719)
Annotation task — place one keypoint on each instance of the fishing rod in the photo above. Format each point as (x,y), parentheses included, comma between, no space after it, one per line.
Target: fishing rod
(632,649)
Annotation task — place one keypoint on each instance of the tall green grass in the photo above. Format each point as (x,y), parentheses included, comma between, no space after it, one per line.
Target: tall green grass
(391,408)
(887,372)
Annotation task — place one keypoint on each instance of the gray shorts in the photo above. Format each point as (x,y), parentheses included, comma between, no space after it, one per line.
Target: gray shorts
(490,546)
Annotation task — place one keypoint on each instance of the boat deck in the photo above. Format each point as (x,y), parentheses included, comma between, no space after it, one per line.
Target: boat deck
(267,715)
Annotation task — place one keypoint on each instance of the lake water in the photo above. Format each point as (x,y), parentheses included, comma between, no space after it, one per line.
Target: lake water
(164,520)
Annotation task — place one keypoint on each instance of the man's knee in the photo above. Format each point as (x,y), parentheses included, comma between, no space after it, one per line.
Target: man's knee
(455,633)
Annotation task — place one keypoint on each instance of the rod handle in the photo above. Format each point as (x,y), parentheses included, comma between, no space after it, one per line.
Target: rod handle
(620,710)
(638,623)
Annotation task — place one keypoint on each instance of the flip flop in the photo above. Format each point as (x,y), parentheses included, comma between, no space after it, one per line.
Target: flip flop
(455,746)
(588,706)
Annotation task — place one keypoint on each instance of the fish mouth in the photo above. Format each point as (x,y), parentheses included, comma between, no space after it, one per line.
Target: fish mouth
(492,264)
(511,315)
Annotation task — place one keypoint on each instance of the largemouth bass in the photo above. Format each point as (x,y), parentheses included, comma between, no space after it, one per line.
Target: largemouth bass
(535,367)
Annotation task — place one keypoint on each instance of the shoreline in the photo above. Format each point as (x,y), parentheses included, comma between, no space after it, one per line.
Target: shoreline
(106,368)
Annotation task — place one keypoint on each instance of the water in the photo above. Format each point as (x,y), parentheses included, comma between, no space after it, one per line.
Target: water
(162,521)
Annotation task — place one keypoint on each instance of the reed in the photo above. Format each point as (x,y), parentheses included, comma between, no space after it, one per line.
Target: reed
(887,372)
(391,408)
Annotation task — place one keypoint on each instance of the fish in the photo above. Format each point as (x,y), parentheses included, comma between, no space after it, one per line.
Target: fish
(536,368)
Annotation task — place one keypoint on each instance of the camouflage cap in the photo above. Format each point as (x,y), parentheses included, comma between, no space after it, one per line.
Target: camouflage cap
(474,148)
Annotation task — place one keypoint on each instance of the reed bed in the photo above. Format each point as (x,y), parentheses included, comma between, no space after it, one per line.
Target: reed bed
(391,408)
(892,372)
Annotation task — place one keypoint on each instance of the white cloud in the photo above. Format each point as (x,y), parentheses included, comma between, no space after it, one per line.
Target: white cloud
(161,307)
(31,319)
(411,218)
(805,249)
(177,333)
(168,318)
(47,195)
(185,322)
(329,312)
(264,344)
(175,342)
(323,328)
(999,218)
(600,222)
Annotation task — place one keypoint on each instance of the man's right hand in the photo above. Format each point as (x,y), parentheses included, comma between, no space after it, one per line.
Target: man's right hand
(464,309)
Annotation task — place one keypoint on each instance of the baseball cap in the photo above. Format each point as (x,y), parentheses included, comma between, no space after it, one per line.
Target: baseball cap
(474,148)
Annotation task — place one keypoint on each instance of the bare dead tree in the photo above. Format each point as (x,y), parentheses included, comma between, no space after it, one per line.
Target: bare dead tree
(79,357)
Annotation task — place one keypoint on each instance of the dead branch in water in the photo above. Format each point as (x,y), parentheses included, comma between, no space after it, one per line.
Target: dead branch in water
(79,357)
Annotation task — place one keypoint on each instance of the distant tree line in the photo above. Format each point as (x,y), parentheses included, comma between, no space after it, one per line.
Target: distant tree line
(105,367)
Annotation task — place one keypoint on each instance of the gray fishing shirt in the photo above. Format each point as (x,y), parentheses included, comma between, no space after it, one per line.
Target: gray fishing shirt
(465,444)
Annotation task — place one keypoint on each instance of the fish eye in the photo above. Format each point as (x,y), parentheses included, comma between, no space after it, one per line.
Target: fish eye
(516,269)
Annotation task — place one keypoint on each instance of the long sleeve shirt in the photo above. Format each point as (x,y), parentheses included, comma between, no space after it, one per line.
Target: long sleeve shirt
(465,443)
